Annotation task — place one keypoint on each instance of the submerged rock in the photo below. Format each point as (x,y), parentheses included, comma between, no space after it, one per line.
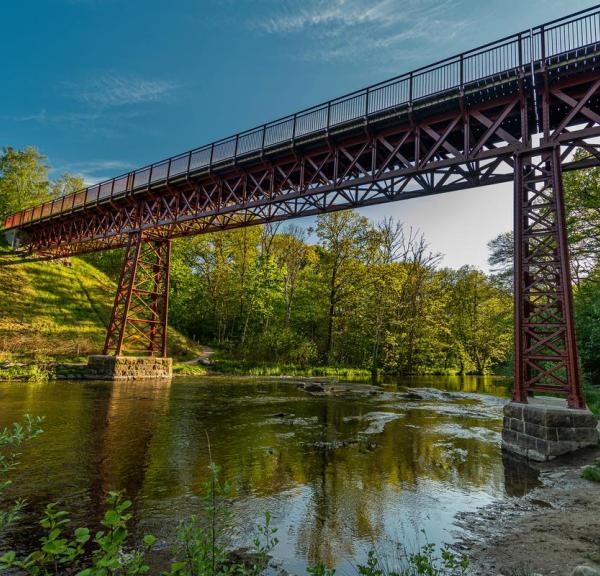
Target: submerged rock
(334,444)
(585,571)
(313,387)
(413,396)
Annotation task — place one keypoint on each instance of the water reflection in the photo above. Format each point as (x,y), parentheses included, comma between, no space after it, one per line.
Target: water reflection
(337,473)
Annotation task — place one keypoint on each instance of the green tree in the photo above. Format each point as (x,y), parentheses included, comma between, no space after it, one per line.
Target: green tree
(480,319)
(500,259)
(23,179)
(344,238)
(66,184)
(582,207)
(587,314)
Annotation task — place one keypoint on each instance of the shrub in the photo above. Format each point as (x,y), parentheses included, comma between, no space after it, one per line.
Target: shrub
(592,472)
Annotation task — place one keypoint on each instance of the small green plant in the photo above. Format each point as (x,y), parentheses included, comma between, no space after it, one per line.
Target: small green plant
(202,545)
(39,375)
(11,439)
(321,570)
(59,553)
(592,472)
(425,562)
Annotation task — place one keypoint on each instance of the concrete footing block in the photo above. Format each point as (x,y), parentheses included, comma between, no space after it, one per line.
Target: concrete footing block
(129,368)
(546,428)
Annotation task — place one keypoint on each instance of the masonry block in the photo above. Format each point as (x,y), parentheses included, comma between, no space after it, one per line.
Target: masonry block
(129,368)
(546,428)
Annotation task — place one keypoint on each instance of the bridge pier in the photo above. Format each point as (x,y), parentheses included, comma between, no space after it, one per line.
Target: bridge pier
(129,368)
(136,339)
(544,427)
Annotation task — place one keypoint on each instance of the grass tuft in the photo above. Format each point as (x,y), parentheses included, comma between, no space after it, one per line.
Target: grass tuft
(592,472)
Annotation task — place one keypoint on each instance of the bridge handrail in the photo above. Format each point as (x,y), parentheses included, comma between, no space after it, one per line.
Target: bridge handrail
(505,57)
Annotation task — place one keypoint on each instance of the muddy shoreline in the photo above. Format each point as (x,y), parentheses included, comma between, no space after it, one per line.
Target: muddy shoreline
(550,530)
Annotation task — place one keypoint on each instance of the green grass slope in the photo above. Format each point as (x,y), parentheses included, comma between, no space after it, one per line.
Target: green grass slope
(59,310)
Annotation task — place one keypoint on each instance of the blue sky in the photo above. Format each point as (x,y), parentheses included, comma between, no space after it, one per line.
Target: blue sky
(103,86)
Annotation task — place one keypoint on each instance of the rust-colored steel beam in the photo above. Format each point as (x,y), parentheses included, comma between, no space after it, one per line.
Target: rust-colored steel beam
(456,150)
(545,347)
(138,325)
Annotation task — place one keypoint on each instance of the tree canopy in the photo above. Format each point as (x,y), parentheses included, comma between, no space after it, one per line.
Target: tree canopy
(23,179)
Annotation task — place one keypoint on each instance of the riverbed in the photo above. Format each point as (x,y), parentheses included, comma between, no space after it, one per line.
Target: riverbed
(341,472)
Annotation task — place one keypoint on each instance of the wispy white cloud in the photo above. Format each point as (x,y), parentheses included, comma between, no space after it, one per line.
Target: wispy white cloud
(94,171)
(111,90)
(70,118)
(362,29)
(109,123)
(301,15)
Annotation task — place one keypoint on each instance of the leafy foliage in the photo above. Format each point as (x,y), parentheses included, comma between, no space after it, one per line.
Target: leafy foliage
(23,180)
(365,296)
(587,315)
(425,562)
(11,439)
(60,552)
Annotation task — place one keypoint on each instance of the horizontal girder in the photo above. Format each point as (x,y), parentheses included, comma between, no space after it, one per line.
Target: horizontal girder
(463,148)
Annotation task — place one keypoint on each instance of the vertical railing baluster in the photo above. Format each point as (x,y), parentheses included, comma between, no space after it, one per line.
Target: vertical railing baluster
(520,40)
(543,45)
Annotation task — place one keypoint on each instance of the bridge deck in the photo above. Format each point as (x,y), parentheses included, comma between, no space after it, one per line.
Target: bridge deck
(555,50)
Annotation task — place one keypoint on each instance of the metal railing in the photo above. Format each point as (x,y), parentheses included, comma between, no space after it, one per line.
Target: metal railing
(502,59)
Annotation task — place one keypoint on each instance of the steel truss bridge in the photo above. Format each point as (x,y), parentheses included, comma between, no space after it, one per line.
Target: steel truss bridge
(513,110)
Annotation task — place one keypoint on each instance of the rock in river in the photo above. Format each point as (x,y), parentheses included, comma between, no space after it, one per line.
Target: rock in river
(585,571)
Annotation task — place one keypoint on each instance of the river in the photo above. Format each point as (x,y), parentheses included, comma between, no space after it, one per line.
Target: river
(338,472)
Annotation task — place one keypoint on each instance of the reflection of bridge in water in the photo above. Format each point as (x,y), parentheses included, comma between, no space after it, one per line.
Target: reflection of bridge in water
(514,109)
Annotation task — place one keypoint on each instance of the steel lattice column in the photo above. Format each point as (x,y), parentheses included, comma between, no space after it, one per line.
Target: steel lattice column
(545,348)
(138,324)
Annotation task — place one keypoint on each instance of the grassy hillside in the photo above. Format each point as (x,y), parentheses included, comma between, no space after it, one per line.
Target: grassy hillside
(58,310)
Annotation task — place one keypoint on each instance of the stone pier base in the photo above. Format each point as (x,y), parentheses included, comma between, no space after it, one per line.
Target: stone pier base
(545,428)
(128,368)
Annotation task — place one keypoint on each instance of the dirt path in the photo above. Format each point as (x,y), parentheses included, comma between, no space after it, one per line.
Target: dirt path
(549,531)
(207,352)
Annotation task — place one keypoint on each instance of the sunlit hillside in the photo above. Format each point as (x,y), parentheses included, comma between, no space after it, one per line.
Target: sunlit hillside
(57,309)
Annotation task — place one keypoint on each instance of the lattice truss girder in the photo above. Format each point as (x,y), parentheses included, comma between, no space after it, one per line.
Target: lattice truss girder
(139,320)
(471,146)
(454,151)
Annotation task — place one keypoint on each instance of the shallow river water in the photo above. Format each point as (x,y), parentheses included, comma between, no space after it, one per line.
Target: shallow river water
(337,472)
